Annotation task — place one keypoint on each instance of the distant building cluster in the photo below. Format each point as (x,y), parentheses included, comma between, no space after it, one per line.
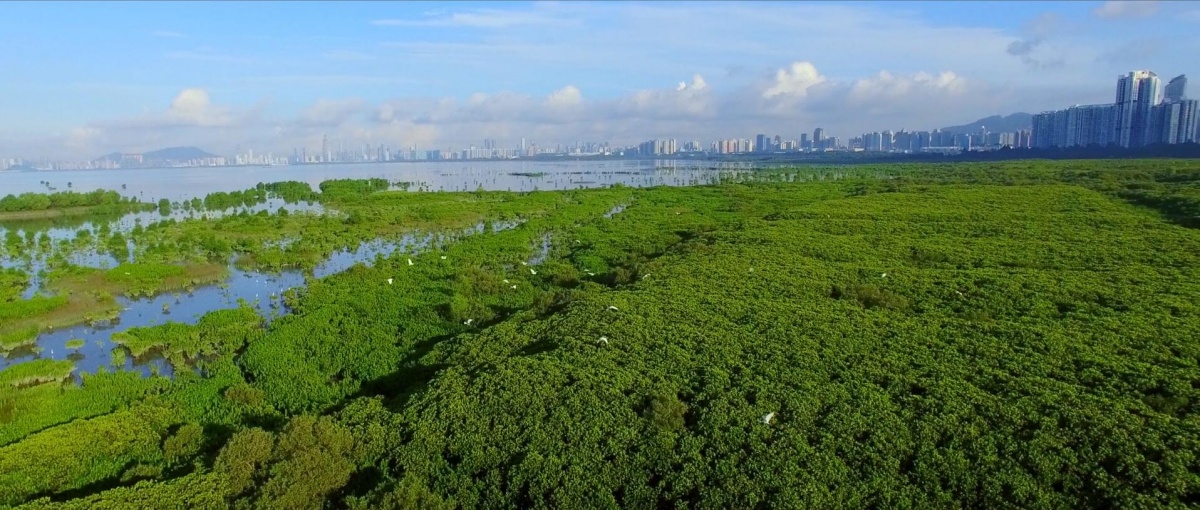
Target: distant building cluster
(1145,113)
(760,143)
(909,142)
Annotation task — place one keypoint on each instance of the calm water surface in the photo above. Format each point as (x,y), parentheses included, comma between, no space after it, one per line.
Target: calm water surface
(264,291)
(186,183)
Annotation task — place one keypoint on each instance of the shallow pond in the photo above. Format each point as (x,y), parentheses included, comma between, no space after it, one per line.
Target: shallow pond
(263,291)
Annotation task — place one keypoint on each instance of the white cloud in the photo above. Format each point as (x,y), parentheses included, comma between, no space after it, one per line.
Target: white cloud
(1113,9)
(694,102)
(193,107)
(565,97)
(794,81)
(888,87)
(796,96)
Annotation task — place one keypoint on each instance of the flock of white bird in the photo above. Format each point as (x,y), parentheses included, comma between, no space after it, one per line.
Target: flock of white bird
(604,339)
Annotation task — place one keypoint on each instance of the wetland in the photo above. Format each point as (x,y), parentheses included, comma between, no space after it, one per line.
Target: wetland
(1017,334)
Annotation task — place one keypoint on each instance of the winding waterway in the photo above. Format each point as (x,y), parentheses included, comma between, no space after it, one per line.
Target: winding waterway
(264,291)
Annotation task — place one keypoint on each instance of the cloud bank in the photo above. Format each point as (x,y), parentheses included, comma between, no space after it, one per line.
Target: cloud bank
(787,100)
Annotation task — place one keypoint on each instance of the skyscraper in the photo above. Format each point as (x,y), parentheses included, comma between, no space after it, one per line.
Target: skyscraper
(1174,122)
(818,138)
(1137,93)
(1175,89)
(1089,125)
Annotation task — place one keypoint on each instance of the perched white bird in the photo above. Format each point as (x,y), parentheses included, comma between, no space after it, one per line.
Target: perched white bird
(647,275)
(506,281)
(603,340)
(389,281)
(884,275)
(767,418)
(613,308)
(514,286)
(960,294)
(532,271)
(468,321)
(410,262)
(523,263)
(590,273)
(443,257)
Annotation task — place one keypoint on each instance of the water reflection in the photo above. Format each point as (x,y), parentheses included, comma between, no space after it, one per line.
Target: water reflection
(543,252)
(262,291)
(615,210)
(176,184)
(67,228)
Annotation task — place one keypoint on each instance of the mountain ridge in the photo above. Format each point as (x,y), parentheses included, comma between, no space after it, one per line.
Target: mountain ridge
(995,124)
(182,153)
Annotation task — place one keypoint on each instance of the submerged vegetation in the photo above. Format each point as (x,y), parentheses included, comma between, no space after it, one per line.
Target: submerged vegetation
(976,335)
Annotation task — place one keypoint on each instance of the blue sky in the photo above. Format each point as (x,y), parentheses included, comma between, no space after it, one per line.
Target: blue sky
(88,78)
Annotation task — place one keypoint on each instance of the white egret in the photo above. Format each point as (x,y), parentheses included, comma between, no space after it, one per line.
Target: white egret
(506,280)
(532,271)
(884,275)
(389,281)
(647,275)
(767,418)
(443,257)
(410,262)
(514,286)
(960,294)
(523,263)
(603,340)
(613,308)
(468,321)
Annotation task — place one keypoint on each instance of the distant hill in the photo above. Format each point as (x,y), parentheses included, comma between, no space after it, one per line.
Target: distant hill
(996,124)
(168,154)
(176,154)
(114,157)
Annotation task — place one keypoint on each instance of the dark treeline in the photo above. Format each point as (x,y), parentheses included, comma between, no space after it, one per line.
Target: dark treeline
(61,199)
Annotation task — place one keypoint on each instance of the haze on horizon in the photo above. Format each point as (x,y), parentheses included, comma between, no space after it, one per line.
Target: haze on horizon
(91,78)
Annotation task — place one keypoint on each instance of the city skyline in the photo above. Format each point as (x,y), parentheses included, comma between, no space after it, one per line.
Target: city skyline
(409,74)
(1143,112)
